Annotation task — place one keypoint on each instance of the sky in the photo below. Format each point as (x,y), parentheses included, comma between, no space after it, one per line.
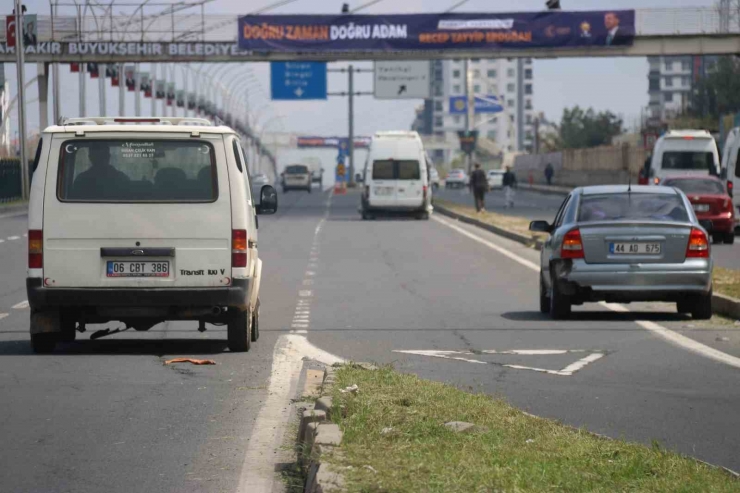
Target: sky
(615,84)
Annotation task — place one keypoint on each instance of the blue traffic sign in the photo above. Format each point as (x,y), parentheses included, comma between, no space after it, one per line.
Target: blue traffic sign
(483,104)
(298,80)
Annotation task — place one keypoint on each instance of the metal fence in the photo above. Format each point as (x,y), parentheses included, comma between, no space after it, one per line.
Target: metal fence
(189,22)
(10,180)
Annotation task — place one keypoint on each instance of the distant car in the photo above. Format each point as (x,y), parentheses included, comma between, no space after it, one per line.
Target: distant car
(621,244)
(710,201)
(495,178)
(456,178)
(297,177)
(434,178)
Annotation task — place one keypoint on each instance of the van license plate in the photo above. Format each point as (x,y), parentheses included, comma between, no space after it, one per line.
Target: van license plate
(384,191)
(701,207)
(634,248)
(125,268)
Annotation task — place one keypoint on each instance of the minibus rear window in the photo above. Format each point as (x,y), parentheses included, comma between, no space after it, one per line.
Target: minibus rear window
(132,170)
(391,169)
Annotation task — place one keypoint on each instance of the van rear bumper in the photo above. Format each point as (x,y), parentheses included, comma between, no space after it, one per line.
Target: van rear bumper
(41,298)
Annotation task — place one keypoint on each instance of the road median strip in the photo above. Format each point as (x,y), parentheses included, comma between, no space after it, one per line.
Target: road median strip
(401,433)
(726,299)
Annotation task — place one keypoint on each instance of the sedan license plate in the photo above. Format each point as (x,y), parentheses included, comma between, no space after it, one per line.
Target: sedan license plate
(634,248)
(384,191)
(701,207)
(125,268)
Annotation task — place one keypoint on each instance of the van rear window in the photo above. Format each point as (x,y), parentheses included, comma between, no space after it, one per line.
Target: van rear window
(296,170)
(686,160)
(130,170)
(391,169)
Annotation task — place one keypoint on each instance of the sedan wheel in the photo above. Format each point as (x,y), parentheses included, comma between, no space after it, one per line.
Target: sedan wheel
(702,307)
(559,303)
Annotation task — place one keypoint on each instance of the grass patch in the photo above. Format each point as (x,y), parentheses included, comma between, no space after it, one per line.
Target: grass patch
(727,281)
(517,224)
(510,451)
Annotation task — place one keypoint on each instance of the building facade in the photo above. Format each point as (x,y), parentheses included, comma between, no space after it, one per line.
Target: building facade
(671,84)
(510,80)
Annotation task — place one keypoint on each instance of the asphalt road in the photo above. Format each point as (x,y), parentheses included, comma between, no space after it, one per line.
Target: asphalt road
(533,205)
(108,415)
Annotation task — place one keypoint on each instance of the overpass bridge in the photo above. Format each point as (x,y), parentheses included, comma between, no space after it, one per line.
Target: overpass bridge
(169,36)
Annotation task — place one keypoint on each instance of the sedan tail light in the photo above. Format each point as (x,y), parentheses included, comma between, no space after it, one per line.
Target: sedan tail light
(35,249)
(572,245)
(238,248)
(698,244)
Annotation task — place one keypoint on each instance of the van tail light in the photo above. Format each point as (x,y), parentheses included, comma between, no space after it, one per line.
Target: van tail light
(35,249)
(656,180)
(730,188)
(424,189)
(572,245)
(698,244)
(238,248)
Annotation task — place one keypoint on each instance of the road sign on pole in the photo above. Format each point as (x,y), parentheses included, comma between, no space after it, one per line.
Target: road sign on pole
(483,104)
(402,79)
(468,140)
(293,81)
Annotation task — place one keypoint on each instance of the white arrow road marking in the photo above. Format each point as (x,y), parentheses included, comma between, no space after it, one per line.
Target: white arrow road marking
(20,306)
(565,372)
(258,469)
(13,238)
(3,315)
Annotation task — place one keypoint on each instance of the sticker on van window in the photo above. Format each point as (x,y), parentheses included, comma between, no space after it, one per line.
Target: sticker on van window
(137,150)
(70,148)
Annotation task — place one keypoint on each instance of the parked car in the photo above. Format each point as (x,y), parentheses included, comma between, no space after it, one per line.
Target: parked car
(711,202)
(297,177)
(684,152)
(456,178)
(396,178)
(495,179)
(622,244)
(142,221)
(434,178)
(730,172)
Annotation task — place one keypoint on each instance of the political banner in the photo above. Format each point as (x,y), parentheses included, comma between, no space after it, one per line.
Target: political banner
(170,93)
(180,98)
(160,89)
(30,29)
(111,72)
(94,70)
(331,142)
(468,140)
(74,67)
(191,101)
(145,84)
(424,32)
(128,73)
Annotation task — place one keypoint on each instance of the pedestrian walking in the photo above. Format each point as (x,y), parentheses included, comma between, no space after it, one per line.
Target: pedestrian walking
(509,186)
(549,171)
(479,187)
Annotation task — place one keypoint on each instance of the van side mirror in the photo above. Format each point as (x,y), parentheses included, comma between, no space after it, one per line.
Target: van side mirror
(268,200)
(706,224)
(540,226)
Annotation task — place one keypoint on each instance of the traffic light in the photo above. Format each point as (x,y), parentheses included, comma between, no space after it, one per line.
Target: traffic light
(553,4)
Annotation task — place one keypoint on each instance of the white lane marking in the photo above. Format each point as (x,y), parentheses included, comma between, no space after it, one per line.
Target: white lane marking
(568,371)
(3,315)
(300,331)
(305,293)
(25,235)
(492,246)
(300,317)
(13,238)
(2,241)
(258,468)
(307,282)
(20,306)
(310,273)
(298,326)
(667,334)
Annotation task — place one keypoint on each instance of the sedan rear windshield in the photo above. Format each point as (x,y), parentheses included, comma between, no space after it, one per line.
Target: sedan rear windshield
(687,160)
(632,207)
(131,170)
(391,169)
(698,187)
(296,170)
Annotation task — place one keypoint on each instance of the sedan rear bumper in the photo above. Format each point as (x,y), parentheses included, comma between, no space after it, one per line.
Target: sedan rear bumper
(635,282)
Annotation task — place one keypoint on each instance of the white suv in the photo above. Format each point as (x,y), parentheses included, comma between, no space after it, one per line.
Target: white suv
(143,220)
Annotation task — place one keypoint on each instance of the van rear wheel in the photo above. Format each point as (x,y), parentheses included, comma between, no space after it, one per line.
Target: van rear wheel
(256,322)
(702,307)
(239,331)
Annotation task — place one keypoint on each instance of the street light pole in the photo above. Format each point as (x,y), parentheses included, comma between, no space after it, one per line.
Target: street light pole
(21,73)
(351,143)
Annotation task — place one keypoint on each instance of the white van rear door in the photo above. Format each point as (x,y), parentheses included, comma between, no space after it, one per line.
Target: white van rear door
(688,156)
(137,210)
(383,183)
(410,183)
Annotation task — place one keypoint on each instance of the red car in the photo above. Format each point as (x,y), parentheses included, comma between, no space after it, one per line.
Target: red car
(711,201)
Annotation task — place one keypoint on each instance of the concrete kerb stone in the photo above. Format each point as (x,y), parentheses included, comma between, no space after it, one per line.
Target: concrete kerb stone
(721,304)
(325,404)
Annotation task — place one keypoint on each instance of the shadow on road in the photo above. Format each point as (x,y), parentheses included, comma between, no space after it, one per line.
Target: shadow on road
(598,316)
(127,347)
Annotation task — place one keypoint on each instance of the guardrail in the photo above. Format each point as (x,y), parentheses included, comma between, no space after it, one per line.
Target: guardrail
(10,180)
(150,23)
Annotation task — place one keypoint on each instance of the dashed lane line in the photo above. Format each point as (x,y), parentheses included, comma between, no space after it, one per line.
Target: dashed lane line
(13,238)
(21,306)
(667,334)
(3,315)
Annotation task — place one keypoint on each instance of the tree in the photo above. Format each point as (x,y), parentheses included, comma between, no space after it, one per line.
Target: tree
(581,128)
(719,92)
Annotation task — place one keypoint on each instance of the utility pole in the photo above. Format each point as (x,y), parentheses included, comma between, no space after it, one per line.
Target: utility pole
(137,100)
(470,114)
(121,91)
(57,94)
(83,98)
(21,73)
(102,106)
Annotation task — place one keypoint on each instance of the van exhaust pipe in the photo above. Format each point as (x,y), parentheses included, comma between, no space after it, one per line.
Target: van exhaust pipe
(216,310)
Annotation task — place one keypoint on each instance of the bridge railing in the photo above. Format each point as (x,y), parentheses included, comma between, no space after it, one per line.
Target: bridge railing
(156,25)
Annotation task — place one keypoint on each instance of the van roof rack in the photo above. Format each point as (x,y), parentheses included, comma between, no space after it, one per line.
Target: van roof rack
(118,120)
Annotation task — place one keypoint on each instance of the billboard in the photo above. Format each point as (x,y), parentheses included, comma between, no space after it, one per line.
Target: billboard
(30,30)
(426,32)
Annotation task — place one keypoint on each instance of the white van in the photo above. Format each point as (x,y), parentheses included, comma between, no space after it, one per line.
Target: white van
(731,168)
(396,176)
(684,152)
(142,220)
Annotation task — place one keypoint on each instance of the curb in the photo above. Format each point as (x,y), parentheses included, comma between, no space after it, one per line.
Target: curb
(518,237)
(721,304)
(544,189)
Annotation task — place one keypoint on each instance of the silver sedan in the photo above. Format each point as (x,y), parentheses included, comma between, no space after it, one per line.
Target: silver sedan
(622,244)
